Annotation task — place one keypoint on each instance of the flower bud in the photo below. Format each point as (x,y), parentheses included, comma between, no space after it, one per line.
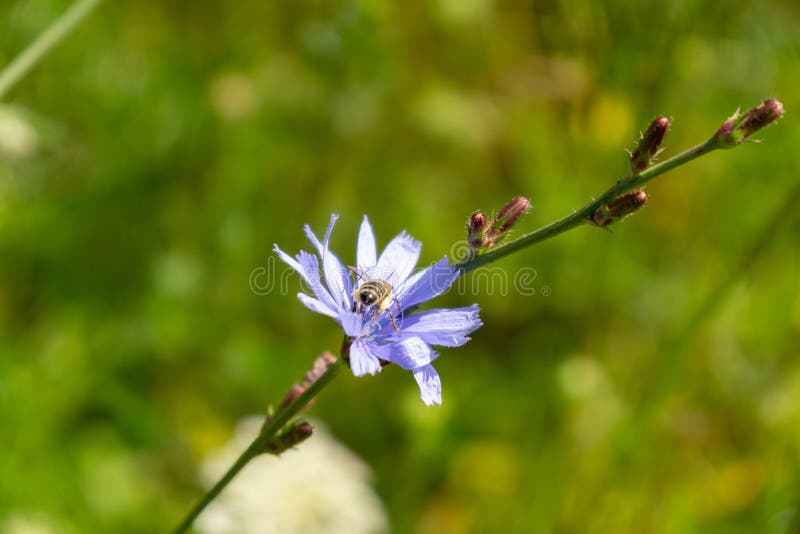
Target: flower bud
(321,365)
(760,116)
(738,128)
(476,228)
(294,393)
(649,144)
(290,437)
(483,234)
(619,208)
(510,214)
(725,131)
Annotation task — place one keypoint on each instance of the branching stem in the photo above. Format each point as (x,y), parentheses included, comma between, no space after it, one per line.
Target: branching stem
(582,215)
(279,420)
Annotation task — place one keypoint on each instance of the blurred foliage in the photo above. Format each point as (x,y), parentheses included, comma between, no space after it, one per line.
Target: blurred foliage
(150,162)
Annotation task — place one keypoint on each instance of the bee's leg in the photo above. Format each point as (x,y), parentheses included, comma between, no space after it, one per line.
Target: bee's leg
(394,324)
(399,313)
(372,320)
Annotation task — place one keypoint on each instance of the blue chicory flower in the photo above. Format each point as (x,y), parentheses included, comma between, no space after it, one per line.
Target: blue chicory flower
(398,334)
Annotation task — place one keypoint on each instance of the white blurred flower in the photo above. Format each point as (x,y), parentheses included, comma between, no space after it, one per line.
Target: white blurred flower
(319,487)
(17,137)
(30,523)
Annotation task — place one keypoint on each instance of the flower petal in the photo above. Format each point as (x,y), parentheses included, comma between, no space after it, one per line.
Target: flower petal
(336,276)
(362,361)
(430,385)
(317,306)
(308,268)
(444,340)
(366,256)
(441,321)
(398,259)
(291,262)
(409,352)
(338,279)
(311,266)
(427,283)
(352,323)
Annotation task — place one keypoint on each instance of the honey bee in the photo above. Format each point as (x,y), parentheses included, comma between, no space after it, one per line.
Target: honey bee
(374,293)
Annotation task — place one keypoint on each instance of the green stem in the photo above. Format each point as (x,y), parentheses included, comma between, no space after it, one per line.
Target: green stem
(582,215)
(262,442)
(284,414)
(48,39)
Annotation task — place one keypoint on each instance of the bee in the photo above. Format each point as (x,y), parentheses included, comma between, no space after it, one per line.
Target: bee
(374,293)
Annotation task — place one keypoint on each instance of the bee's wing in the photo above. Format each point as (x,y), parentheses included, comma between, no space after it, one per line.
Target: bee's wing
(387,275)
(361,274)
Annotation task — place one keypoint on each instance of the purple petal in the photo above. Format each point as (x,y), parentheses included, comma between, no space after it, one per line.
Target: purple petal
(338,279)
(398,259)
(336,276)
(308,268)
(361,361)
(409,352)
(444,340)
(428,283)
(366,256)
(317,306)
(329,229)
(313,238)
(352,323)
(454,322)
(291,262)
(311,266)
(430,385)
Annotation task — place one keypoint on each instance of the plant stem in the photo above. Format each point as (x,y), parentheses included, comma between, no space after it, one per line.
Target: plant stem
(54,34)
(582,216)
(264,439)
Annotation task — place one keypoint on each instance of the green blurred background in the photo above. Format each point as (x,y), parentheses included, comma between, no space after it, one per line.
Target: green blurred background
(148,165)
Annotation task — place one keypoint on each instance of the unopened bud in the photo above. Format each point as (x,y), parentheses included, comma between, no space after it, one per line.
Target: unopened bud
(294,393)
(476,228)
(321,365)
(726,130)
(483,234)
(510,214)
(739,127)
(760,116)
(290,437)
(619,208)
(649,144)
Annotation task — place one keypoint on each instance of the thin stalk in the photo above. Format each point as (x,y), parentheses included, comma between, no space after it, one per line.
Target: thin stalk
(562,225)
(757,118)
(582,215)
(262,442)
(54,34)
